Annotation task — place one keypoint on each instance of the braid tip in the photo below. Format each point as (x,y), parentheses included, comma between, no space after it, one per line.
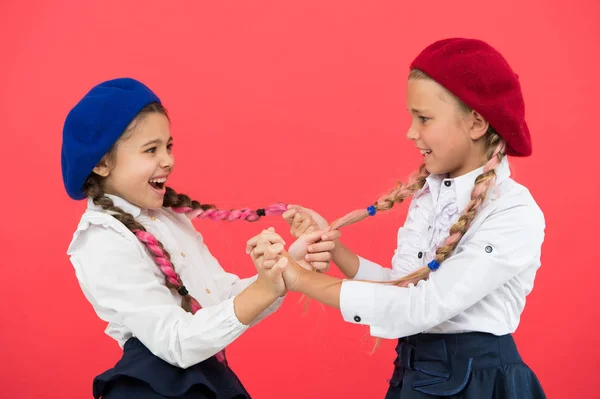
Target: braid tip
(433,265)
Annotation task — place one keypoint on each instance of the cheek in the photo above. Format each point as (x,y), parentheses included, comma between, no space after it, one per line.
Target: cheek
(135,170)
(434,136)
(448,136)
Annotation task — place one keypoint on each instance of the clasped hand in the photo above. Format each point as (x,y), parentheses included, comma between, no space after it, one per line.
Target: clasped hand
(281,270)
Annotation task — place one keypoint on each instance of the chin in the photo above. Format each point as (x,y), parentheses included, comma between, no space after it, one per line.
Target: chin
(155,204)
(437,169)
(433,170)
(149,203)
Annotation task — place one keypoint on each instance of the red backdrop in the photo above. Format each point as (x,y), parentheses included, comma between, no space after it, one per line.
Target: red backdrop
(300,102)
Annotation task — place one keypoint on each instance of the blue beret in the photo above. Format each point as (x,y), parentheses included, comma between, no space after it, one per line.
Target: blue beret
(95,124)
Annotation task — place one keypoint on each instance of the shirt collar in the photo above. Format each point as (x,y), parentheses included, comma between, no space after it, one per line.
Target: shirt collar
(463,185)
(126,206)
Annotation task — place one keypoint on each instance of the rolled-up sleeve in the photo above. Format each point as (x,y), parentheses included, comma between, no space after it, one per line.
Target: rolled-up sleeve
(505,244)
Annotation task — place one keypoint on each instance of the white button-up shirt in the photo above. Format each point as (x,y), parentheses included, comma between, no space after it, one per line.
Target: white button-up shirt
(481,287)
(127,289)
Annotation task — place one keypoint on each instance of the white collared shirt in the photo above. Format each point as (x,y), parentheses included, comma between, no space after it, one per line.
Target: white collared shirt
(127,289)
(481,287)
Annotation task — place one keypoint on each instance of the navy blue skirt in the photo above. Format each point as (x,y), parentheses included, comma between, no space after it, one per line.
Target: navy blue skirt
(140,374)
(465,366)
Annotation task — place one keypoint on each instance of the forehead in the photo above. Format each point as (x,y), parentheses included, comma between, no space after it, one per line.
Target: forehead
(426,93)
(151,126)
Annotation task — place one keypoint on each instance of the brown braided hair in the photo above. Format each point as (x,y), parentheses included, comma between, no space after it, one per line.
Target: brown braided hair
(181,203)
(93,188)
(495,151)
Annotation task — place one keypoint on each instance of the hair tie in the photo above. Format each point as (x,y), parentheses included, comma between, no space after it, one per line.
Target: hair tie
(182,291)
(372,210)
(261,212)
(433,265)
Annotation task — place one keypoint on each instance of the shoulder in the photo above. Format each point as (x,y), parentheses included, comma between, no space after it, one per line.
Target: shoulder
(182,221)
(98,232)
(516,201)
(511,222)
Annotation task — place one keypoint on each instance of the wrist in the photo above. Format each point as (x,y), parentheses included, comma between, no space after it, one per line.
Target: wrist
(302,279)
(337,251)
(269,292)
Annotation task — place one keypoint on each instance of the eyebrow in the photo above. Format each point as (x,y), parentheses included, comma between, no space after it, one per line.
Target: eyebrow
(417,111)
(156,141)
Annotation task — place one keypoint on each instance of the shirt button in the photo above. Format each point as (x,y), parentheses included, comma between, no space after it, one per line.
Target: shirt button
(357,319)
(488,249)
(207,291)
(183,255)
(152,218)
(420,255)
(447,183)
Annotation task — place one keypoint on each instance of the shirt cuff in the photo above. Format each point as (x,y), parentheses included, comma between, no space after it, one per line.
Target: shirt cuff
(368,270)
(357,302)
(231,320)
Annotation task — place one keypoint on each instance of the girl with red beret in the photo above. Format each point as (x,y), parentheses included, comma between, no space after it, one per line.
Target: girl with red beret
(470,248)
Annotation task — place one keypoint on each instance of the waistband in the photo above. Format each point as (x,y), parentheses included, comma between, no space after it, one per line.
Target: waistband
(443,362)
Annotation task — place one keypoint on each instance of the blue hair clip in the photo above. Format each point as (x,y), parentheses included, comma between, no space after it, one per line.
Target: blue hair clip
(372,210)
(433,265)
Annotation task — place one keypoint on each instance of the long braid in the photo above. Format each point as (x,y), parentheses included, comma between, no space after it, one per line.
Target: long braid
(385,203)
(181,203)
(496,150)
(483,183)
(402,191)
(161,256)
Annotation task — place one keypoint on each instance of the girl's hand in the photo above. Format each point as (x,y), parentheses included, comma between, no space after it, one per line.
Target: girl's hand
(303,220)
(271,280)
(266,251)
(265,248)
(310,250)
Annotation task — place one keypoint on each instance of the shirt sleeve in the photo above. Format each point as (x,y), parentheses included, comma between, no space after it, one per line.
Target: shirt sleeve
(368,270)
(124,290)
(506,243)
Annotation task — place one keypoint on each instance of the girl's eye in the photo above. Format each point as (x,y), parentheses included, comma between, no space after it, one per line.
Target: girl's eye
(151,150)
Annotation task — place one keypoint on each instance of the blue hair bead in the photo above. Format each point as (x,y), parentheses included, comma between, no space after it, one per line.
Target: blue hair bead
(372,210)
(433,265)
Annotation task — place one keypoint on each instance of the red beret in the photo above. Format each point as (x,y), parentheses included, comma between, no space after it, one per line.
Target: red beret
(479,75)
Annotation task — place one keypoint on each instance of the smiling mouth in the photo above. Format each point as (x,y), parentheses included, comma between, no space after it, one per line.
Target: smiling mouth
(158,183)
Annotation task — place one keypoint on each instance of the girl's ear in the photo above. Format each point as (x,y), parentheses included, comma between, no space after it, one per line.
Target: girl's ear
(479,126)
(102,169)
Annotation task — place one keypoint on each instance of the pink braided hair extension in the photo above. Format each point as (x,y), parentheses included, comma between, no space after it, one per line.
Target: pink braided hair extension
(162,260)
(231,215)
(164,263)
